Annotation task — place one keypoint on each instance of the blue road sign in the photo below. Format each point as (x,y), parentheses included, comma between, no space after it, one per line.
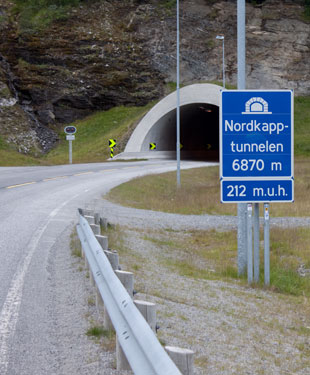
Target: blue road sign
(256,137)
(257,191)
(256,134)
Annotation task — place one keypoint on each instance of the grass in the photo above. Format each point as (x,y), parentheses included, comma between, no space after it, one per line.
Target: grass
(75,245)
(35,15)
(212,255)
(301,126)
(99,331)
(200,193)
(306,13)
(10,157)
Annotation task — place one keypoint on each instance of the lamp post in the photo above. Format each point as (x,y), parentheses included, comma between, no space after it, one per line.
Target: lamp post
(222,38)
(178,99)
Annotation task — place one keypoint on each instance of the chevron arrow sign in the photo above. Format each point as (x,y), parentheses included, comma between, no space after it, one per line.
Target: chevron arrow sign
(112,143)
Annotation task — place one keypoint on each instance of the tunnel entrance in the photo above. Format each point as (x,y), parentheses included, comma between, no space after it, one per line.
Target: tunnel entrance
(199,132)
(199,126)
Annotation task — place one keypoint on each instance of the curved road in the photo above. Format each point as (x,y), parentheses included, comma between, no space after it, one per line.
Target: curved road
(38,210)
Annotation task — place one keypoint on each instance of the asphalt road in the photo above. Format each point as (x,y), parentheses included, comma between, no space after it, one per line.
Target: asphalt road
(38,209)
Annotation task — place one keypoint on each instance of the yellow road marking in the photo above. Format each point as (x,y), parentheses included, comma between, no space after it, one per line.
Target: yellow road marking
(54,178)
(26,183)
(129,167)
(80,174)
(108,170)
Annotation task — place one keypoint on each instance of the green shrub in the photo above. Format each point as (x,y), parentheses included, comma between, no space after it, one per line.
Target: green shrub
(307,10)
(35,15)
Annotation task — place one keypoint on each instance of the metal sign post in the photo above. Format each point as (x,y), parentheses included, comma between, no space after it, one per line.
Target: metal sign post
(249,244)
(266,244)
(256,241)
(242,208)
(70,131)
(70,151)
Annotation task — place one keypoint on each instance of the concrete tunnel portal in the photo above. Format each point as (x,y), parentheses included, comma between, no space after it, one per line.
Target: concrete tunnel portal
(199,126)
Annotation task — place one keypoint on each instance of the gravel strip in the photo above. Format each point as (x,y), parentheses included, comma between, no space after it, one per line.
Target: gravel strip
(72,313)
(137,218)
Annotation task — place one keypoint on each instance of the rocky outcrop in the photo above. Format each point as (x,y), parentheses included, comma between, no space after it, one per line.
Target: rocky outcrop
(110,53)
(277,43)
(18,125)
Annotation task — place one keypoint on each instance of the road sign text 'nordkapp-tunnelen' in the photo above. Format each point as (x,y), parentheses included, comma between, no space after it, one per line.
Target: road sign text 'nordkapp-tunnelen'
(257,149)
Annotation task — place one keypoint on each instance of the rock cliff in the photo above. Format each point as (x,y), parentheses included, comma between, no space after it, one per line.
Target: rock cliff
(108,53)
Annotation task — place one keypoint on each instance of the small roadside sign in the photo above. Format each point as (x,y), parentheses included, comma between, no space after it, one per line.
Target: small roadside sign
(70,137)
(70,129)
(152,146)
(112,144)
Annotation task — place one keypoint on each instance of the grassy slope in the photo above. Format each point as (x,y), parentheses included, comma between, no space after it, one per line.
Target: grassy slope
(302,125)
(10,157)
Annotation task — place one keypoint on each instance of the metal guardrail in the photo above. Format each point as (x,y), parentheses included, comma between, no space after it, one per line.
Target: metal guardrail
(144,353)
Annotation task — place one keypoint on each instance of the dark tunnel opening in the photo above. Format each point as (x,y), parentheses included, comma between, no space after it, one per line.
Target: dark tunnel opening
(199,132)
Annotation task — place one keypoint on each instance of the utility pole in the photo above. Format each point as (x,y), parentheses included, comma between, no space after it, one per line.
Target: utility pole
(178,99)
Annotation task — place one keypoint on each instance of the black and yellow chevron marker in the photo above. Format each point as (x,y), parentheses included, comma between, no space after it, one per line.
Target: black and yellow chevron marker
(112,152)
(181,146)
(112,143)
(209,146)
(152,146)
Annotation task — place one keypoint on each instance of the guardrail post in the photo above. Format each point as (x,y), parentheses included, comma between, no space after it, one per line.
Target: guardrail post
(121,360)
(114,261)
(103,241)
(88,212)
(126,278)
(107,322)
(91,277)
(95,228)
(97,218)
(148,311)
(113,258)
(99,301)
(183,358)
(86,262)
(90,219)
(104,222)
